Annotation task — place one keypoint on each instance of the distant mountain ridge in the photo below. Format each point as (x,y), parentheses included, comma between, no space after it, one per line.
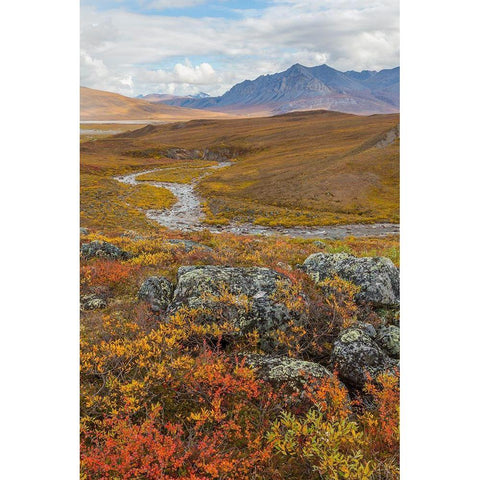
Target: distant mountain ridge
(163,97)
(98,105)
(304,88)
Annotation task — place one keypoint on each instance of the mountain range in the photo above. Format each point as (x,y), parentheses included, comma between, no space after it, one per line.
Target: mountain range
(302,88)
(98,105)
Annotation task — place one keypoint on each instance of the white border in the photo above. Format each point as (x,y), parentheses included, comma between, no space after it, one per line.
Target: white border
(40,163)
(439,266)
(39,194)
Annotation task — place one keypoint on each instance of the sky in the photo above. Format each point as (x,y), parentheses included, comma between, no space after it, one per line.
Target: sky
(184,47)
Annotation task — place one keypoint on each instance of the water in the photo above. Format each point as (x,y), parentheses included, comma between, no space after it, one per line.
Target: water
(187,215)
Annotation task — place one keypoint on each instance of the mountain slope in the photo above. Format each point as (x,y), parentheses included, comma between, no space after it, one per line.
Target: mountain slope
(306,88)
(101,106)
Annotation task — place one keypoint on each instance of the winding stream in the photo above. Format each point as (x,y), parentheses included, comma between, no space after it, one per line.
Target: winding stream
(186,215)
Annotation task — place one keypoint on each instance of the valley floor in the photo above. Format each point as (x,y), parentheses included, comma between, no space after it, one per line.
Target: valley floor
(187,215)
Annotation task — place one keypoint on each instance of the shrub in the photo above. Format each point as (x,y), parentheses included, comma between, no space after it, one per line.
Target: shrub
(108,273)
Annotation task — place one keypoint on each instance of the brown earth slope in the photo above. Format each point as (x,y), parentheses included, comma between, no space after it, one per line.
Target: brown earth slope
(104,106)
(305,168)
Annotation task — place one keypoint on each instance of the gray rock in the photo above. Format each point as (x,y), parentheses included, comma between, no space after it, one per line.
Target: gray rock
(378,277)
(92,302)
(188,245)
(251,304)
(355,354)
(367,328)
(83,231)
(158,292)
(389,339)
(103,250)
(281,370)
(319,244)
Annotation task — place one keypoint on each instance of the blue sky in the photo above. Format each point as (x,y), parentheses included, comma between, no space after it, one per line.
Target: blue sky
(187,46)
(195,9)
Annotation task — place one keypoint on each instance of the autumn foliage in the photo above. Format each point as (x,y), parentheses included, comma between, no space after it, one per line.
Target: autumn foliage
(163,398)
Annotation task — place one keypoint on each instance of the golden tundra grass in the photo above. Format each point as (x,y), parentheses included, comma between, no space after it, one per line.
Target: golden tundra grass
(186,173)
(304,168)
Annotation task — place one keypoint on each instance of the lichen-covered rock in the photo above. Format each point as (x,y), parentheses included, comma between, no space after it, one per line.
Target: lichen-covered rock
(377,276)
(103,250)
(355,354)
(92,302)
(367,328)
(319,244)
(247,298)
(83,231)
(389,340)
(188,245)
(285,370)
(158,292)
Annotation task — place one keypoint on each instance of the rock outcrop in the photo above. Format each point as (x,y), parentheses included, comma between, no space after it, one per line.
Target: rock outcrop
(92,302)
(221,154)
(378,277)
(285,370)
(355,355)
(103,250)
(183,154)
(389,340)
(244,297)
(158,292)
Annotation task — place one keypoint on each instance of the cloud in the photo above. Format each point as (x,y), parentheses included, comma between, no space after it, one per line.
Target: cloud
(93,72)
(164,4)
(150,50)
(183,79)
(202,74)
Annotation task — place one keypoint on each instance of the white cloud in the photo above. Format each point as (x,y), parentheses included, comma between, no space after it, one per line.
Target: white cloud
(202,74)
(346,34)
(94,73)
(183,79)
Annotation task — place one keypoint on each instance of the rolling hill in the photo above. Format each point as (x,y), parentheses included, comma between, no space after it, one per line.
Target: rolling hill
(304,88)
(98,105)
(302,168)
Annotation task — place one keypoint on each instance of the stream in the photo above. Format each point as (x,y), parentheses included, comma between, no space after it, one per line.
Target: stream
(186,215)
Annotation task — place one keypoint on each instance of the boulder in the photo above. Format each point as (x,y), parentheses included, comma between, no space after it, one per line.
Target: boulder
(243,297)
(188,245)
(285,370)
(355,354)
(377,276)
(92,302)
(389,340)
(367,328)
(158,292)
(103,250)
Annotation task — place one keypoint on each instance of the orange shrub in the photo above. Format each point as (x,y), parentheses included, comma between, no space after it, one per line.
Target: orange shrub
(382,421)
(222,414)
(106,273)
